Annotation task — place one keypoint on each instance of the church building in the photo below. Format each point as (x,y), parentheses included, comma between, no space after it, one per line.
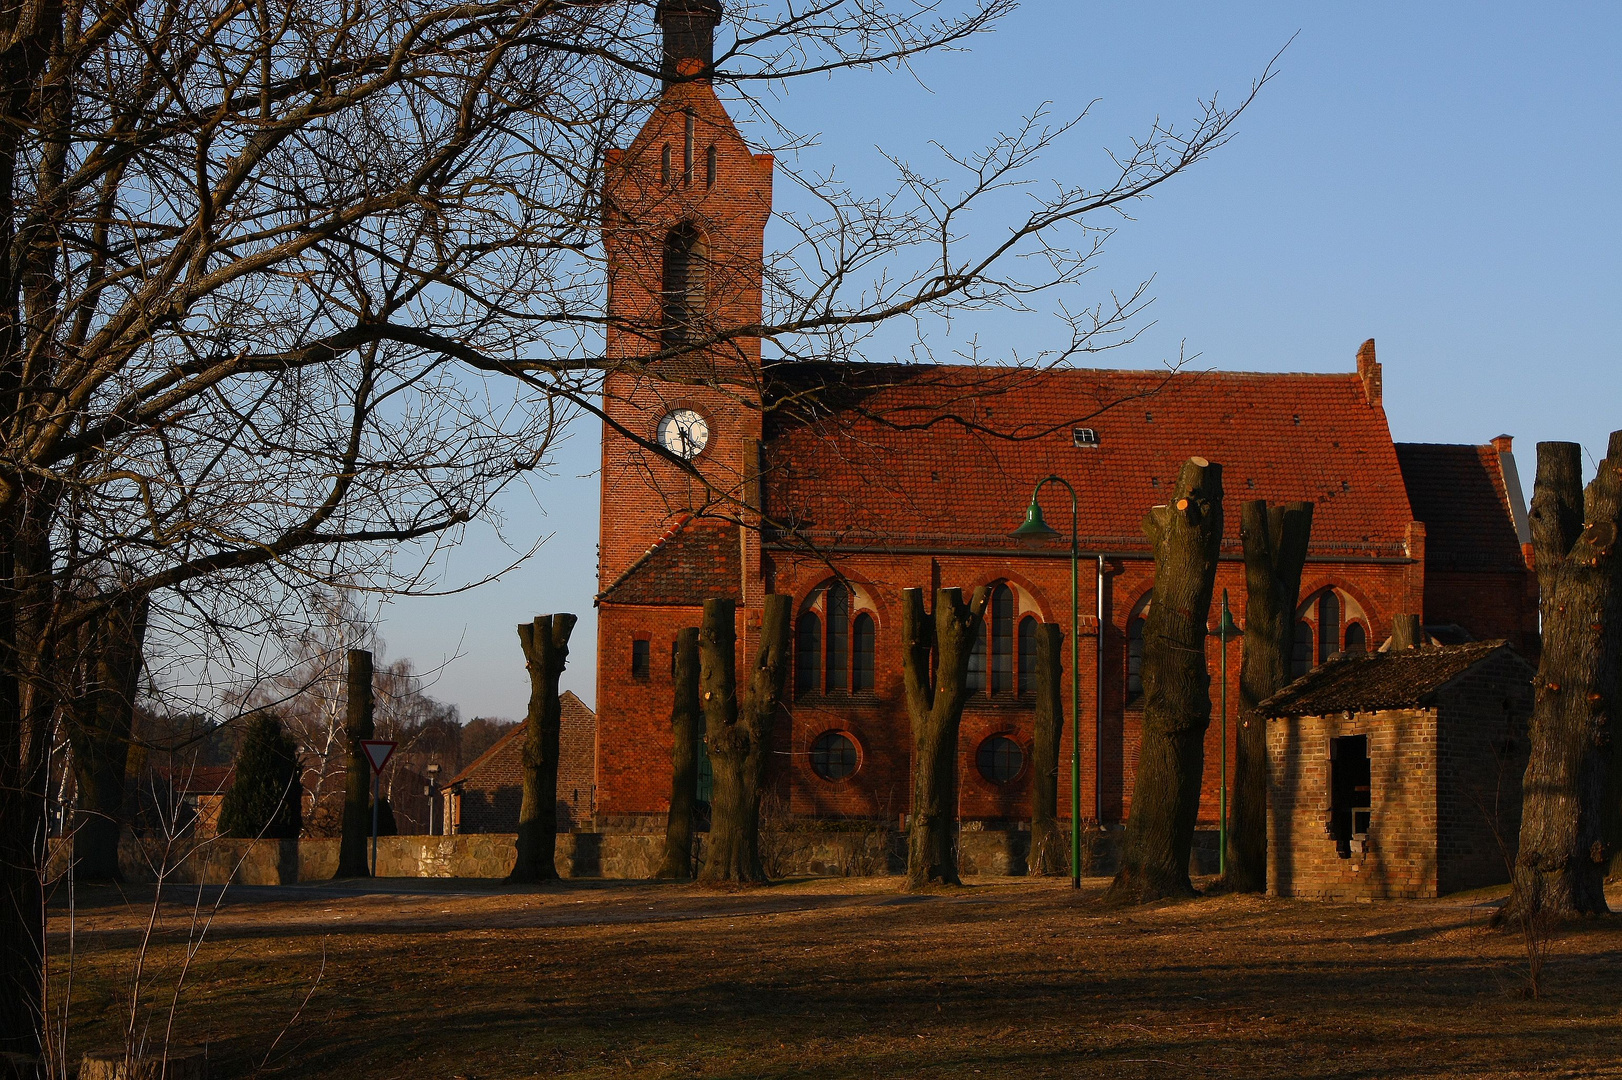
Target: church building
(840,485)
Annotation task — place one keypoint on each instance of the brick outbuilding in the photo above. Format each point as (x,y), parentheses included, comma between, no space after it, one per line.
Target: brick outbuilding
(841,484)
(485,797)
(1397,774)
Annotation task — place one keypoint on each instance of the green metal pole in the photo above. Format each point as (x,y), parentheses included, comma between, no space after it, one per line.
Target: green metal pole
(1075,695)
(1222,787)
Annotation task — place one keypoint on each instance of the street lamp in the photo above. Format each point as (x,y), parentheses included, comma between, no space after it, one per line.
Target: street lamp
(1227,629)
(1036,530)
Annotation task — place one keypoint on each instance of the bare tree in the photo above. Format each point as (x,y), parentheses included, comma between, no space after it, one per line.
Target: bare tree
(546,652)
(936,695)
(1187,535)
(293,292)
(1275,544)
(738,729)
(686,728)
(1049,853)
(1561,863)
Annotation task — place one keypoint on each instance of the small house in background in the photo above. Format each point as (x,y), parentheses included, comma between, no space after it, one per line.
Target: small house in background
(1398,773)
(486,796)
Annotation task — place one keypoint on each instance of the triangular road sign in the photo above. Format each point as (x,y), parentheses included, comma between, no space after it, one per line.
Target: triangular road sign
(378,752)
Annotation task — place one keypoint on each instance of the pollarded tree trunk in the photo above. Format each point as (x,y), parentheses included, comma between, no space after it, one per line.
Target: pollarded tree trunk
(1187,535)
(1560,866)
(685,725)
(99,720)
(738,730)
(357,822)
(546,653)
(935,707)
(1050,856)
(1275,541)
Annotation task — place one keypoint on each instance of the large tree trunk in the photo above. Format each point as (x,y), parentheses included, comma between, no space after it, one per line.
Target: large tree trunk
(1050,855)
(1187,535)
(1561,863)
(685,726)
(935,707)
(546,652)
(738,729)
(357,821)
(107,674)
(1275,542)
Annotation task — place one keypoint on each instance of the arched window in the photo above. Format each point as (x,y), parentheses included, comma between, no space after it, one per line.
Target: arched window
(1134,657)
(1027,654)
(1301,654)
(863,635)
(808,654)
(685,277)
(838,638)
(1357,640)
(1002,640)
(1328,625)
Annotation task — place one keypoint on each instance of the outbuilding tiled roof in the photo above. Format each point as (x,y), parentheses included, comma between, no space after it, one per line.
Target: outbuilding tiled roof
(947,456)
(699,557)
(1460,495)
(1368,682)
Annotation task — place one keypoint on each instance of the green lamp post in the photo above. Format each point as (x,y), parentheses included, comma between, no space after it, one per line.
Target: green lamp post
(1227,629)
(1036,530)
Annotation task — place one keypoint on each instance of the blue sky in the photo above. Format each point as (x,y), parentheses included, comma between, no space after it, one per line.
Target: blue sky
(1439,177)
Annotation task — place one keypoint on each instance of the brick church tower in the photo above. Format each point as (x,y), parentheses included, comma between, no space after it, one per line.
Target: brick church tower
(684,221)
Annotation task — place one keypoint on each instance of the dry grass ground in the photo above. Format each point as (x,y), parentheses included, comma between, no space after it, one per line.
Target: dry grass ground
(845,978)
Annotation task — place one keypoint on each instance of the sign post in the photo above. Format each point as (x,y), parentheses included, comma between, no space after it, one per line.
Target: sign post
(378,752)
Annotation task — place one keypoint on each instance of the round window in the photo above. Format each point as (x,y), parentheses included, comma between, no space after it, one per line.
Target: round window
(1000,759)
(833,755)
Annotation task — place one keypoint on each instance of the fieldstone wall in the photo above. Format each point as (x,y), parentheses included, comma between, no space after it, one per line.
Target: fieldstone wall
(812,851)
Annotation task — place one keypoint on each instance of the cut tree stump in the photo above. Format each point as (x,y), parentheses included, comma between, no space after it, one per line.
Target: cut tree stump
(181,1063)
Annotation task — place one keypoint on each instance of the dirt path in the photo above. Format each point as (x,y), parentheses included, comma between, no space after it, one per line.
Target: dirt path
(845,978)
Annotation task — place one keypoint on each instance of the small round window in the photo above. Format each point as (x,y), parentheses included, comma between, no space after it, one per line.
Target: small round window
(833,755)
(1000,759)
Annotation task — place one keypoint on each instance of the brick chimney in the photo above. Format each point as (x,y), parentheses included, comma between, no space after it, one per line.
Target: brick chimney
(689,27)
(1368,369)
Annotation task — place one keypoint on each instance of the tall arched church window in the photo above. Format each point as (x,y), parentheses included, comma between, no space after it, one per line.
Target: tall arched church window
(1027,654)
(685,279)
(863,636)
(1328,625)
(1002,640)
(808,654)
(1301,654)
(838,638)
(1357,639)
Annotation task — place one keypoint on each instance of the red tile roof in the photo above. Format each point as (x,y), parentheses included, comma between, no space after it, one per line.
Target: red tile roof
(1459,493)
(699,557)
(947,456)
(505,758)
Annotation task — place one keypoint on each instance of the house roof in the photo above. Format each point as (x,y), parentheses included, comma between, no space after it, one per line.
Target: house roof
(1369,682)
(1460,494)
(696,557)
(947,455)
(508,750)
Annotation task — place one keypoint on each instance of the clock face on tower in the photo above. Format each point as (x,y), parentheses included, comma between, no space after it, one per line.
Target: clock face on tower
(684,433)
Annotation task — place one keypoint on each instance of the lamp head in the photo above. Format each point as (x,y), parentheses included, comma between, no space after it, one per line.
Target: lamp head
(1034,530)
(1227,628)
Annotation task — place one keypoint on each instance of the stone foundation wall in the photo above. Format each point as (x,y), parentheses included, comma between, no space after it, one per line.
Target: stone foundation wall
(809,852)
